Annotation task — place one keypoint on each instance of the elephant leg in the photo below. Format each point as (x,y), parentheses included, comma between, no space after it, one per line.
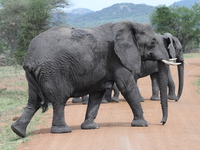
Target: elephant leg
(58,98)
(140,96)
(171,86)
(58,123)
(115,97)
(107,96)
(155,87)
(76,100)
(129,89)
(19,127)
(92,110)
(85,99)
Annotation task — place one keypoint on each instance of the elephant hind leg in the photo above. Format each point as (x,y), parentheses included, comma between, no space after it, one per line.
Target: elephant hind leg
(58,97)
(92,110)
(19,127)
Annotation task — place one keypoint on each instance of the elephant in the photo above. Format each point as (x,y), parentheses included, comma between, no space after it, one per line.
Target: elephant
(65,62)
(150,67)
(105,99)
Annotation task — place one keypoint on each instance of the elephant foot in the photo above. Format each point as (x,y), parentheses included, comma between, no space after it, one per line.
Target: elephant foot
(172,97)
(61,129)
(76,100)
(104,101)
(18,129)
(89,125)
(142,100)
(139,123)
(155,98)
(85,100)
(115,99)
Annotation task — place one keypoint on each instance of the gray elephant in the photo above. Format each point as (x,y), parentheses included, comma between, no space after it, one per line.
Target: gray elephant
(173,47)
(65,62)
(150,67)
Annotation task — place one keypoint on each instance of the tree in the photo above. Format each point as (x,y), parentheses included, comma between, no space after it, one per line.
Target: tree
(10,18)
(34,21)
(182,22)
(22,20)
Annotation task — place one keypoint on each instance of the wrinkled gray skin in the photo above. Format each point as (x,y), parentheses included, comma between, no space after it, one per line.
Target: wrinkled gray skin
(65,62)
(150,67)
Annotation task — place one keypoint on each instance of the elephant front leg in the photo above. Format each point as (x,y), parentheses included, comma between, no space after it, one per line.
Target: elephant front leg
(133,100)
(155,87)
(171,86)
(115,97)
(92,110)
(131,93)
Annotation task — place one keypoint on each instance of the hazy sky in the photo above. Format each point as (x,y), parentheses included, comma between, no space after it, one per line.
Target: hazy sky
(100,4)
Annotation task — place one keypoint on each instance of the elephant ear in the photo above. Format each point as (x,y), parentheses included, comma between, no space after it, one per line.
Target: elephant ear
(126,45)
(177,43)
(170,47)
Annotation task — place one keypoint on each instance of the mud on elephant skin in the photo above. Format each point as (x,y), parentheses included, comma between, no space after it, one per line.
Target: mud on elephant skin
(65,62)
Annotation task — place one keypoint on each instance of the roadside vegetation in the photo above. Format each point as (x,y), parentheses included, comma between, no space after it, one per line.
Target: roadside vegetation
(13,99)
(197,83)
(182,22)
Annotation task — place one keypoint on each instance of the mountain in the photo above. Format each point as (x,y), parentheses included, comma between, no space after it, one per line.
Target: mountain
(123,11)
(85,18)
(80,11)
(186,3)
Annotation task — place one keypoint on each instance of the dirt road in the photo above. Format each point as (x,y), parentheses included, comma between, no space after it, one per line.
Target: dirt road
(181,132)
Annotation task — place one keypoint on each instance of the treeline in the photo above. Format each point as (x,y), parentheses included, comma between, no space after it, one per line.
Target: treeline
(182,22)
(22,20)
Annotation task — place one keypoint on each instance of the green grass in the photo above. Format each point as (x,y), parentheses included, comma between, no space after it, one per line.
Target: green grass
(191,55)
(197,83)
(13,99)
(194,55)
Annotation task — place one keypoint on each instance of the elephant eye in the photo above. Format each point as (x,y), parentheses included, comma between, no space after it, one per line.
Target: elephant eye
(142,33)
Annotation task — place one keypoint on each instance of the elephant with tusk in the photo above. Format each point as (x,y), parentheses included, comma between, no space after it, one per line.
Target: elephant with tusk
(150,67)
(65,62)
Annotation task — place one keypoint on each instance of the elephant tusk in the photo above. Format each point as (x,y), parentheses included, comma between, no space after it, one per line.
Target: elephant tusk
(173,59)
(186,63)
(170,63)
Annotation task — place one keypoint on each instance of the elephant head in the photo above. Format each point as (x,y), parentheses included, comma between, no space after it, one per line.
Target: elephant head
(129,36)
(175,50)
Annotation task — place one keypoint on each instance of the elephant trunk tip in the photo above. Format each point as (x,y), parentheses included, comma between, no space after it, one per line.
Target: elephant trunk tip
(163,122)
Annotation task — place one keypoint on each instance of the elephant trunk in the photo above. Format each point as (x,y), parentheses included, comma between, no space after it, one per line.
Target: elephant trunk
(163,75)
(181,79)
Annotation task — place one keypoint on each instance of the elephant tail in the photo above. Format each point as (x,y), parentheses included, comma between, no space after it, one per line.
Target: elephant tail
(35,85)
